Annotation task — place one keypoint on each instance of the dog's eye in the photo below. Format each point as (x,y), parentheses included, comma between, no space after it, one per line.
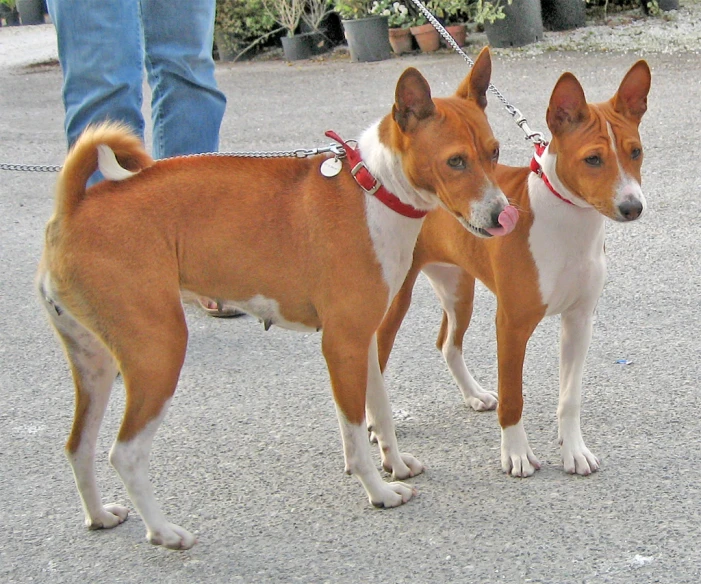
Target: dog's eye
(593,160)
(635,153)
(457,163)
(495,155)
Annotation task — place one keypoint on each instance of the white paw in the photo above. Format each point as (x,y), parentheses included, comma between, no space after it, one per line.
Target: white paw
(111,516)
(517,458)
(482,401)
(520,465)
(172,536)
(577,458)
(393,495)
(405,468)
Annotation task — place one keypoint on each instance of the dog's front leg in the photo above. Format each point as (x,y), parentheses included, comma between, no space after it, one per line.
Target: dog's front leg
(347,355)
(517,458)
(379,412)
(575,336)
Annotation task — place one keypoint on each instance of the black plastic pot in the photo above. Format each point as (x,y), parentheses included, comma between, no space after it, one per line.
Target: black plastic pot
(368,38)
(31,11)
(523,25)
(298,47)
(563,14)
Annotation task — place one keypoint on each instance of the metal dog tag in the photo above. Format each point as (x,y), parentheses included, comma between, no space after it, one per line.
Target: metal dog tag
(331,167)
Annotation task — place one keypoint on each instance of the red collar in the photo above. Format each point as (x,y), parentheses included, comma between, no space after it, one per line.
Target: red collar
(373,186)
(538,169)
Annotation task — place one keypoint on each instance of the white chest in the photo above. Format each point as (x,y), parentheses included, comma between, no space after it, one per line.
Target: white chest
(394,238)
(567,244)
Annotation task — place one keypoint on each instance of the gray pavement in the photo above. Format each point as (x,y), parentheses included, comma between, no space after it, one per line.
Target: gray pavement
(249,457)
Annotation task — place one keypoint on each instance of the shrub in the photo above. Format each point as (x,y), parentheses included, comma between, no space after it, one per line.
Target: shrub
(242,24)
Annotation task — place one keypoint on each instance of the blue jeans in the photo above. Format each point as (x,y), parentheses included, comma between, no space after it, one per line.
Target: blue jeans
(104,46)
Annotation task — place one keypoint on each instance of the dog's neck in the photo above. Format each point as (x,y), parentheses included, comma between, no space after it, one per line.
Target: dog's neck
(548,165)
(386,165)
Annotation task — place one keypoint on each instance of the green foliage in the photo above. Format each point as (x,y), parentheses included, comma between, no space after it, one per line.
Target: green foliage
(352,9)
(454,11)
(459,11)
(397,13)
(239,23)
(653,8)
(482,11)
(11,4)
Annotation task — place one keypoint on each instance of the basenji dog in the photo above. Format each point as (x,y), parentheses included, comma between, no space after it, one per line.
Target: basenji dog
(552,263)
(290,245)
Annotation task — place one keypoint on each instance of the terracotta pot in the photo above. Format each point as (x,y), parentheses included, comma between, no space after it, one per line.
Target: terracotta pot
(401,40)
(427,37)
(458,32)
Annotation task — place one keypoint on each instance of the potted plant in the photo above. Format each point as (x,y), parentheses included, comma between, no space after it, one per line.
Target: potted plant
(288,14)
(454,17)
(427,37)
(519,23)
(398,20)
(367,34)
(8,11)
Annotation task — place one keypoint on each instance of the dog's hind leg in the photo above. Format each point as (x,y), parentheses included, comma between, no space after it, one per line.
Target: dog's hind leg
(151,357)
(94,371)
(379,412)
(456,290)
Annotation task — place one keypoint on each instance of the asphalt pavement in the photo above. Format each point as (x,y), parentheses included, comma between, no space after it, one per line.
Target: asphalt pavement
(249,457)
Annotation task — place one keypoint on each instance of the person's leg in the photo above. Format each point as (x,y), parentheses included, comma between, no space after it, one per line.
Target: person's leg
(187,108)
(100,48)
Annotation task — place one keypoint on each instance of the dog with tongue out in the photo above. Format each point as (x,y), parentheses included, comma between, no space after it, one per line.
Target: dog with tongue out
(551,261)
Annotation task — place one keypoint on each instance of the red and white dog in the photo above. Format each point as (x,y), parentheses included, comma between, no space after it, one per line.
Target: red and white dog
(552,263)
(287,244)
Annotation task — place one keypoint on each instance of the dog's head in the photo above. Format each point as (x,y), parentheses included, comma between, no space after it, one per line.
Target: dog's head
(448,151)
(597,146)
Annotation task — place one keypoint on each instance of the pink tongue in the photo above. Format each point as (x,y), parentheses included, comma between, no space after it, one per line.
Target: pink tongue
(507,219)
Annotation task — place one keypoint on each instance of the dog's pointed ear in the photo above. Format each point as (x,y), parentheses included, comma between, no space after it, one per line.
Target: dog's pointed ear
(631,98)
(568,105)
(412,100)
(476,84)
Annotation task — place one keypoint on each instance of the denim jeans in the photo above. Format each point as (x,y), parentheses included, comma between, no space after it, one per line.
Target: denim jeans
(104,47)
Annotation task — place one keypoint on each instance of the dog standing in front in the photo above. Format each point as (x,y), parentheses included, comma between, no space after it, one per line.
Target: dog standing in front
(552,263)
(287,244)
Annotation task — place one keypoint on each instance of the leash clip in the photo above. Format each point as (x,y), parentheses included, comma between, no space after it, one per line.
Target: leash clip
(334,149)
(522,122)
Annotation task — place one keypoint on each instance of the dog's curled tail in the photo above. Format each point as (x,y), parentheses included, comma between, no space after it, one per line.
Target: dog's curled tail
(110,146)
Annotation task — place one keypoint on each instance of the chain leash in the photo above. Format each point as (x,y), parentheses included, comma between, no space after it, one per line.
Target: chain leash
(334,149)
(31,167)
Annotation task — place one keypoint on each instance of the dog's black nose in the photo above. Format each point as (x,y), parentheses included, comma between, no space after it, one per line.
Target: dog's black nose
(631,210)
